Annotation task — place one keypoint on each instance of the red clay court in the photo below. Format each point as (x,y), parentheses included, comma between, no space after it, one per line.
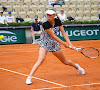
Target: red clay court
(17,60)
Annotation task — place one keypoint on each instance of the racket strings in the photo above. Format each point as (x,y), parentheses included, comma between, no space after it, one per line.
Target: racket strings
(90,52)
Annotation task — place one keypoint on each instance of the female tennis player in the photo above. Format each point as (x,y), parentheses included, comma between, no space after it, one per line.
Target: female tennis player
(50,42)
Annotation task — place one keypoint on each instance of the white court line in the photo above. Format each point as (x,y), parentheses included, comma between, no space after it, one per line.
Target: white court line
(68,86)
(61,85)
(33,77)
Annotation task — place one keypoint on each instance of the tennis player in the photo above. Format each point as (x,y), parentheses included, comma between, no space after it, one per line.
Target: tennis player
(50,42)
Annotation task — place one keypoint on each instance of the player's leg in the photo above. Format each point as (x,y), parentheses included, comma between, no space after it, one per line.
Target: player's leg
(42,55)
(60,55)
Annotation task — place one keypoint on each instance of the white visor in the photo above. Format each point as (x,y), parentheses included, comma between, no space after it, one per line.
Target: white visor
(50,12)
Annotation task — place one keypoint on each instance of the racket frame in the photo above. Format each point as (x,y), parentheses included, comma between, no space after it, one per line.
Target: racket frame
(80,50)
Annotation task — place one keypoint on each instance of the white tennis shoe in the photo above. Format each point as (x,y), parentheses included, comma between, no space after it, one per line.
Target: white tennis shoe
(80,69)
(28,80)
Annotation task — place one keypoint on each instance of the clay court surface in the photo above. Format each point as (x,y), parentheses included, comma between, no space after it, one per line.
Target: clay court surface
(17,60)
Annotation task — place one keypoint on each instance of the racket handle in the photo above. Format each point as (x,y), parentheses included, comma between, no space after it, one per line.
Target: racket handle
(72,47)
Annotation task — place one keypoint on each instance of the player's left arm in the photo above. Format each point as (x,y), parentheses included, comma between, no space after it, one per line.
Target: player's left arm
(65,35)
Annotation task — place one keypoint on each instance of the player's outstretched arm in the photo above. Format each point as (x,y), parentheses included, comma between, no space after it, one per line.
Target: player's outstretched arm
(65,35)
(50,32)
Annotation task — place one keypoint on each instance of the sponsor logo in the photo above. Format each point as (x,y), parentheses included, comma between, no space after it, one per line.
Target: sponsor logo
(9,36)
(80,33)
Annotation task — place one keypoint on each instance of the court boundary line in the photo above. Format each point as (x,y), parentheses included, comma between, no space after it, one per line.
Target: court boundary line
(61,85)
(68,86)
(51,82)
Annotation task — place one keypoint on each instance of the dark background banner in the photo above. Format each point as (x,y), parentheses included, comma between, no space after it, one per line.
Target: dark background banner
(12,36)
(81,33)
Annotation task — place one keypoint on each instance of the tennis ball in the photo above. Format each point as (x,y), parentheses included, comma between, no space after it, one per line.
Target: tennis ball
(62,21)
(1,37)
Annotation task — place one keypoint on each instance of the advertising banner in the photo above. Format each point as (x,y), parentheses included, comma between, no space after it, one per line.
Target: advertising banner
(13,36)
(81,33)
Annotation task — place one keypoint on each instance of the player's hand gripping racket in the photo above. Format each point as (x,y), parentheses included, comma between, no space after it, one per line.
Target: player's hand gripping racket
(89,52)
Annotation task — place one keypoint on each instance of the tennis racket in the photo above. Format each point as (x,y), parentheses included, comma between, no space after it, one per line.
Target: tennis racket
(89,52)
